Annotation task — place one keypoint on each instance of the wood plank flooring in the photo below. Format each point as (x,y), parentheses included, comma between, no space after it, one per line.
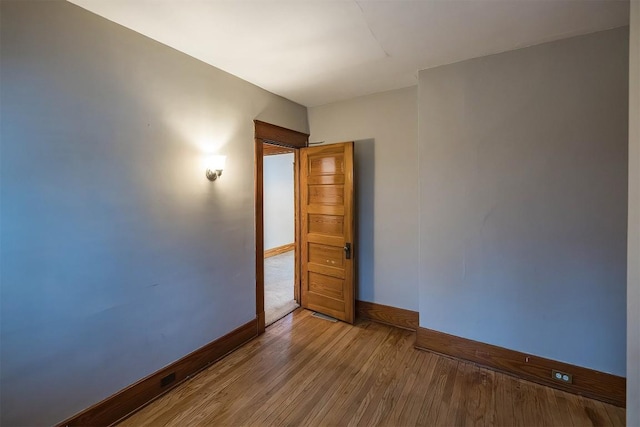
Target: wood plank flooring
(308,371)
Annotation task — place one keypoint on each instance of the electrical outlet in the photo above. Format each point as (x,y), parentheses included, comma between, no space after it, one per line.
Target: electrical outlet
(562,377)
(168,379)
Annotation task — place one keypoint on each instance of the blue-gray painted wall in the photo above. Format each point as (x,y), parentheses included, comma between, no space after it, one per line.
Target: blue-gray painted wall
(384,127)
(118,256)
(523,199)
(633,238)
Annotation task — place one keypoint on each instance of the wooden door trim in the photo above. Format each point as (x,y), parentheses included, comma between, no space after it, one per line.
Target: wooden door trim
(273,150)
(266,133)
(296,214)
(259,203)
(280,136)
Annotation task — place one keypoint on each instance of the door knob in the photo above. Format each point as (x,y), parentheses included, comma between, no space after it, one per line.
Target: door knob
(347,250)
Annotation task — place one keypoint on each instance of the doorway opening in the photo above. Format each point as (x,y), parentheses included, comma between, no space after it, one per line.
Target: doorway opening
(272,140)
(279,231)
(324,268)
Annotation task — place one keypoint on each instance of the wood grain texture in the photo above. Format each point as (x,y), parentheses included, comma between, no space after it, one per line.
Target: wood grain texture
(126,401)
(258,188)
(296,207)
(309,372)
(278,135)
(327,251)
(274,150)
(279,250)
(393,316)
(268,135)
(586,382)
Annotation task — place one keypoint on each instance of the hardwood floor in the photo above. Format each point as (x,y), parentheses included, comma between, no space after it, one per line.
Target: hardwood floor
(308,371)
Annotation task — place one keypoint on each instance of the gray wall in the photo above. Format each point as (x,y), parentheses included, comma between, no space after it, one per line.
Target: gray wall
(279,221)
(633,253)
(523,199)
(384,128)
(118,256)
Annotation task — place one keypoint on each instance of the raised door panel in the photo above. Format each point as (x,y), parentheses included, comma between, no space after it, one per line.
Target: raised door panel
(326,193)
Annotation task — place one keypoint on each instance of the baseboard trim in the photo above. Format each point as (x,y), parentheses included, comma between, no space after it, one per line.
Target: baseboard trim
(586,382)
(139,394)
(279,250)
(398,317)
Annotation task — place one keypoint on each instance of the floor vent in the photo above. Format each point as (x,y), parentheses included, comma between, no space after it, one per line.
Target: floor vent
(324,316)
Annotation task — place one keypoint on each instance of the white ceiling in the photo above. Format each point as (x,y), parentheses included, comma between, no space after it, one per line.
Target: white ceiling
(319,51)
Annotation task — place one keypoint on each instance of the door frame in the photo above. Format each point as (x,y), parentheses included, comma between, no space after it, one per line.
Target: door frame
(267,133)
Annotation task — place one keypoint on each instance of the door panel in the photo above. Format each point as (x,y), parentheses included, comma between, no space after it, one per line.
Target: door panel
(326,195)
(326,285)
(326,224)
(327,214)
(324,254)
(326,179)
(332,165)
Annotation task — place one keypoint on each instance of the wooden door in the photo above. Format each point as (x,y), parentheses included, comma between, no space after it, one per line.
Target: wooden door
(327,230)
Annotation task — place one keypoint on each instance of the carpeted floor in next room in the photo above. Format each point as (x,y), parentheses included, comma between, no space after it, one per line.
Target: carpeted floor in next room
(278,287)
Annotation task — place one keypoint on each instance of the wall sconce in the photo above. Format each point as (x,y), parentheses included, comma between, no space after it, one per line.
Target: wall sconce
(215,165)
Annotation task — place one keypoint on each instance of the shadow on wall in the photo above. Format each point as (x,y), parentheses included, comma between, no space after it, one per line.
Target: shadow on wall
(364,160)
